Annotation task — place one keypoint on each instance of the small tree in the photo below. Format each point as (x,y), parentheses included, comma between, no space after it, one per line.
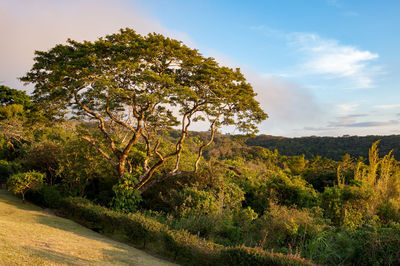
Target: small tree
(22,182)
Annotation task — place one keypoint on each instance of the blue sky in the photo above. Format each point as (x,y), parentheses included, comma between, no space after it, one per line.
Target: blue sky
(320,67)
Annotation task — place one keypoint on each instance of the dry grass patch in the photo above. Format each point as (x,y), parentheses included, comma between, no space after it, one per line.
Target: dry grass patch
(31,236)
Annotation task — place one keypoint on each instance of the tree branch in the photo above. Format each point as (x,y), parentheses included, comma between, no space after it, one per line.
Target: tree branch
(94,144)
(101,125)
(202,147)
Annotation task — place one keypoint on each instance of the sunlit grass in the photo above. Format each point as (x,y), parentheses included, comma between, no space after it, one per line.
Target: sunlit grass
(31,236)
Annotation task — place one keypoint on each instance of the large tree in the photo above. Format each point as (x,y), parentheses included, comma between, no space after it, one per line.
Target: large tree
(135,87)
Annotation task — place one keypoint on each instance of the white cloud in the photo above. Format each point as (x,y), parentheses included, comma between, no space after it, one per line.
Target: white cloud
(346,108)
(328,57)
(287,103)
(387,106)
(334,3)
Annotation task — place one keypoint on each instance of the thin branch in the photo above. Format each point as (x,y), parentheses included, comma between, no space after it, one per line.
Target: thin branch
(202,147)
(101,125)
(95,145)
(120,122)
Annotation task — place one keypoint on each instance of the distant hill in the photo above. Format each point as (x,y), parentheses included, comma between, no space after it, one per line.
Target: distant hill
(330,147)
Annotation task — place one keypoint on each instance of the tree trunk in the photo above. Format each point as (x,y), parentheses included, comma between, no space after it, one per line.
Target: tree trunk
(121,168)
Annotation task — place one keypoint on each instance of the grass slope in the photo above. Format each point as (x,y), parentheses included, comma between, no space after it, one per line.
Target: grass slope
(30,236)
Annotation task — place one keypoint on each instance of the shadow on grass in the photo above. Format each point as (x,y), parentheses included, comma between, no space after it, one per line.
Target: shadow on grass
(113,256)
(56,257)
(117,252)
(68,225)
(8,198)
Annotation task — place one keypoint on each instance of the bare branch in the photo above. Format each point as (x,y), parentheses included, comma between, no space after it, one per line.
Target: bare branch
(202,147)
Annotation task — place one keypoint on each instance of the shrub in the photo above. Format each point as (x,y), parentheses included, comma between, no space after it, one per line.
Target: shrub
(179,244)
(389,212)
(126,198)
(349,206)
(291,191)
(252,256)
(46,196)
(22,182)
(287,228)
(362,246)
(190,249)
(44,157)
(7,169)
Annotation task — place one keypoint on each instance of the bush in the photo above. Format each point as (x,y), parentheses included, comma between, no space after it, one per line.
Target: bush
(179,244)
(362,246)
(388,212)
(7,169)
(126,198)
(22,182)
(291,191)
(46,196)
(349,206)
(285,228)
(252,256)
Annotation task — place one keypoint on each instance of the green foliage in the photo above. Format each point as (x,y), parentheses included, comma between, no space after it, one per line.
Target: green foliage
(22,182)
(389,212)
(126,198)
(297,164)
(330,147)
(178,244)
(320,173)
(289,228)
(291,191)
(12,112)
(44,157)
(10,96)
(197,202)
(129,83)
(363,246)
(7,169)
(331,202)
(46,196)
(83,172)
(348,206)
(254,257)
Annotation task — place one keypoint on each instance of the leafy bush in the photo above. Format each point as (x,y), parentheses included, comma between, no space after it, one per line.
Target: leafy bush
(179,244)
(22,182)
(363,246)
(44,157)
(389,212)
(255,257)
(7,169)
(126,198)
(291,191)
(285,228)
(349,205)
(46,196)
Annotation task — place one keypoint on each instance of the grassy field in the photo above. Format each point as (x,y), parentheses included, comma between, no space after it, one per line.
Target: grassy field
(31,236)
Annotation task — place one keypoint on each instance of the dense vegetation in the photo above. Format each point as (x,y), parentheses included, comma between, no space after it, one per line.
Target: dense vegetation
(234,203)
(329,147)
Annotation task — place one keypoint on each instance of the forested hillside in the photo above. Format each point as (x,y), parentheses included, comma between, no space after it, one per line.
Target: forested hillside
(329,147)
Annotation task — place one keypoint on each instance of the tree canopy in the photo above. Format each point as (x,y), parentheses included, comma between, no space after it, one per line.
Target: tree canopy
(135,87)
(10,96)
